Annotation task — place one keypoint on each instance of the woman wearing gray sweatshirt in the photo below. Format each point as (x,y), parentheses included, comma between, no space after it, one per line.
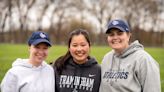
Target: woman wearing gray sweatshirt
(127,68)
(32,74)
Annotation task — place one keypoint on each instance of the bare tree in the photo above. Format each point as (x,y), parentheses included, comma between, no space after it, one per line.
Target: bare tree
(99,9)
(4,12)
(55,29)
(23,8)
(138,13)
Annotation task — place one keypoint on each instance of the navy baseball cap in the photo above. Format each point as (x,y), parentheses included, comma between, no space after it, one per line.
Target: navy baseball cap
(118,24)
(39,37)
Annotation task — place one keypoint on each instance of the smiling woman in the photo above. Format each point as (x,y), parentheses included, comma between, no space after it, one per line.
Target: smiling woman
(79,49)
(76,71)
(128,67)
(32,74)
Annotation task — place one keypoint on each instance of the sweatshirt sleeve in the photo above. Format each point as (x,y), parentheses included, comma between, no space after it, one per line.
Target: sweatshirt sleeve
(9,83)
(149,74)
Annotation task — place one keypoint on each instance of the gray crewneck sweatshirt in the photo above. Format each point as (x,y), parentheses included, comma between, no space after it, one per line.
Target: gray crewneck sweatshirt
(23,77)
(132,71)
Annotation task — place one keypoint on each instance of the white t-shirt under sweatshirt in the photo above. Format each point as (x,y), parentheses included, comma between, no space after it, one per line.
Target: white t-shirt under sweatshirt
(24,77)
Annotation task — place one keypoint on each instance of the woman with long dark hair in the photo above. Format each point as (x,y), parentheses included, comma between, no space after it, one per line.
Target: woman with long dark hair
(76,71)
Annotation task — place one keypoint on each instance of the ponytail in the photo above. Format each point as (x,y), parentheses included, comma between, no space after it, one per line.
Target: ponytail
(60,63)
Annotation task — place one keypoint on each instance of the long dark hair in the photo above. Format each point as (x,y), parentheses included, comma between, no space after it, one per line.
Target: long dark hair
(60,63)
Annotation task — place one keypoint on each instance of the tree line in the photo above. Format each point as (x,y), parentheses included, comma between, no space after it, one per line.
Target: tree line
(18,18)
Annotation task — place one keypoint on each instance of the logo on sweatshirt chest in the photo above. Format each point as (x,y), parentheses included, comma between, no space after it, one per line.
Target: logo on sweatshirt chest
(76,82)
(115,74)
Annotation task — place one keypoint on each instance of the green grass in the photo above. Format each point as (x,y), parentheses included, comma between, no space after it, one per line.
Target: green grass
(10,52)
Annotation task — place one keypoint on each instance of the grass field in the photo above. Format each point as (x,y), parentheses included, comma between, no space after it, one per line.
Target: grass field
(9,52)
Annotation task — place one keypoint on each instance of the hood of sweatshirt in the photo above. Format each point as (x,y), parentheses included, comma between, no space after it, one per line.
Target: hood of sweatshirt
(131,49)
(24,63)
(90,62)
(24,77)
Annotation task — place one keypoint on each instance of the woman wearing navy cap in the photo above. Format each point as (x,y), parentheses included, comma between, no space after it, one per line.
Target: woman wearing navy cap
(32,74)
(127,68)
